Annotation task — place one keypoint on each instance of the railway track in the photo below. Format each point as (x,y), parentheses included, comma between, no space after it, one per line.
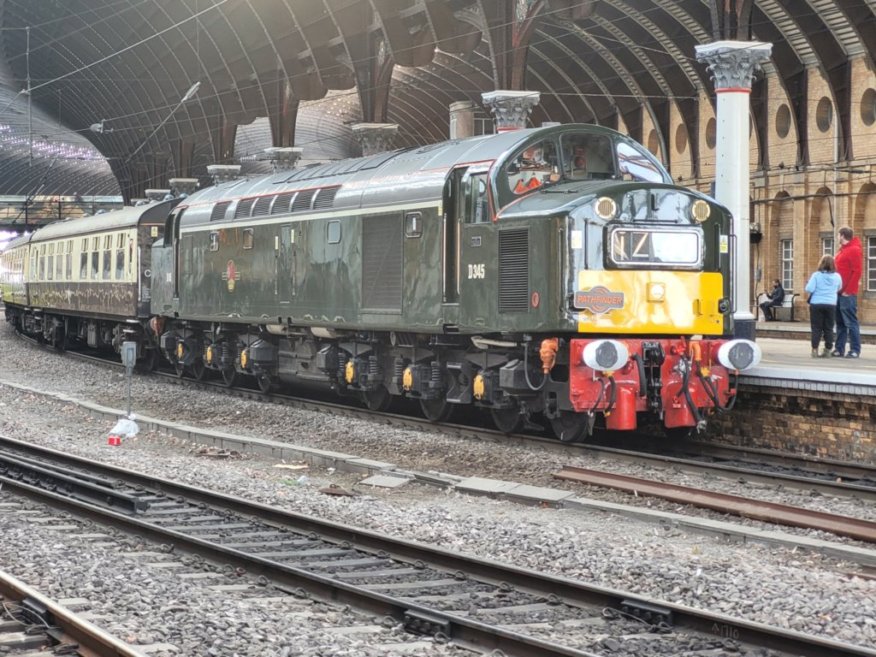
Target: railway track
(474,602)
(32,624)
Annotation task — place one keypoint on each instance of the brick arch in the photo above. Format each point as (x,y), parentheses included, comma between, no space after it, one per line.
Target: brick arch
(780,225)
(864,212)
(822,225)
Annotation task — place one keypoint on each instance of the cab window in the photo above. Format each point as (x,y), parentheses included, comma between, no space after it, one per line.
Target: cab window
(639,165)
(532,167)
(587,157)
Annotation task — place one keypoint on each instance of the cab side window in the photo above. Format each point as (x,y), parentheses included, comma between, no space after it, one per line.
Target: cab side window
(532,167)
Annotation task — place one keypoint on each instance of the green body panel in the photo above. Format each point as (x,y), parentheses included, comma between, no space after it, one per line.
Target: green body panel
(353,261)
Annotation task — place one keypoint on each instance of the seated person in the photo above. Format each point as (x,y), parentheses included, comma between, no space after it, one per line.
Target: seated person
(774,298)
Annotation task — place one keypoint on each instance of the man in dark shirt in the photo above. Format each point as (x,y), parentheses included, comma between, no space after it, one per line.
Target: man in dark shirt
(774,298)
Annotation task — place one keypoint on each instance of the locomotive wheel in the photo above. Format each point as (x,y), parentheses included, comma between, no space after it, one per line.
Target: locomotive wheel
(436,410)
(377,400)
(266,383)
(507,420)
(148,362)
(229,377)
(59,338)
(199,370)
(572,427)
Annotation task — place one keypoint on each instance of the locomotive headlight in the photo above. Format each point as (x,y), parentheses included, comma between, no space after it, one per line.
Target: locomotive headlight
(700,211)
(656,292)
(605,208)
(739,354)
(605,355)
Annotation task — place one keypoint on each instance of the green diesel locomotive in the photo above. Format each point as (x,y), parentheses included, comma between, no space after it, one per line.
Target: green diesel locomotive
(553,272)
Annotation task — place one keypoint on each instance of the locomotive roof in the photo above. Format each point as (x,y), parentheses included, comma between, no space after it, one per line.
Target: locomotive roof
(124,218)
(408,175)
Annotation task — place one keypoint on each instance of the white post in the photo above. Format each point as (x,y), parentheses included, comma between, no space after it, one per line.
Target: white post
(733,65)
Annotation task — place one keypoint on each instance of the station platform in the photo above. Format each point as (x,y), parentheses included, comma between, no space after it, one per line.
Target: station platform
(787,362)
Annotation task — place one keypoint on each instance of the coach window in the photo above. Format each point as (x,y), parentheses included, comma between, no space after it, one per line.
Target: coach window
(59,261)
(334,232)
(83,259)
(120,256)
(95,258)
(69,263)
(42,275)
(50,262)
(107,256)
(247,238)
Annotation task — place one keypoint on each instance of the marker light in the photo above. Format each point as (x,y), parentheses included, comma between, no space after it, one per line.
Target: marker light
(739,354)
(605,355)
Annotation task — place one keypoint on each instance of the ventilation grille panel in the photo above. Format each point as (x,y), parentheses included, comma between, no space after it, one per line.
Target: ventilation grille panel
(282,202)
(325,198)
(382,263)
(514,271)
(244,207)
(218,213)
(262,206)
(303,200)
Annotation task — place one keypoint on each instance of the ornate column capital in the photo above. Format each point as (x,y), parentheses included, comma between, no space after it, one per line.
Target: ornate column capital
(734,63)
(375,138)
(510,108)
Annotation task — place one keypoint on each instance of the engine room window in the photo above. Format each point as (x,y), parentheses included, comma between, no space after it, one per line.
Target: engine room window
(214,241)
(334,232)
(632,248)
(413,224)
(247,238)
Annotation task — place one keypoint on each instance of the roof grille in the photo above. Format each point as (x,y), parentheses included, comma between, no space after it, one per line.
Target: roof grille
(302,201)
(262,206)
(282,202)
(244,206)
(325,198)
(218,212)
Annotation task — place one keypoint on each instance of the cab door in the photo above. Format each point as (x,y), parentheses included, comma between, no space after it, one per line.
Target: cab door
(478,275)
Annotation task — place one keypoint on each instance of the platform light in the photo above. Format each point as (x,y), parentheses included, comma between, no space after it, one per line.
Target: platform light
(739,354)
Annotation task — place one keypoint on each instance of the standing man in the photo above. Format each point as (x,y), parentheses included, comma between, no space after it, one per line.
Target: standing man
(849,262)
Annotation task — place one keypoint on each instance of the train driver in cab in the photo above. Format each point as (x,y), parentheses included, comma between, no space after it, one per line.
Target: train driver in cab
(532,168)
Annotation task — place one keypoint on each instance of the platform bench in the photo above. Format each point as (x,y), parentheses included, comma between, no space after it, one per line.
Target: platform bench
(787,307)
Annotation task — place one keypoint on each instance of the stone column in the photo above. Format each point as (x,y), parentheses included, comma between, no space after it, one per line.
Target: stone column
(375,138)
(733,65)
(462,119)
(510,108)
(283,158)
